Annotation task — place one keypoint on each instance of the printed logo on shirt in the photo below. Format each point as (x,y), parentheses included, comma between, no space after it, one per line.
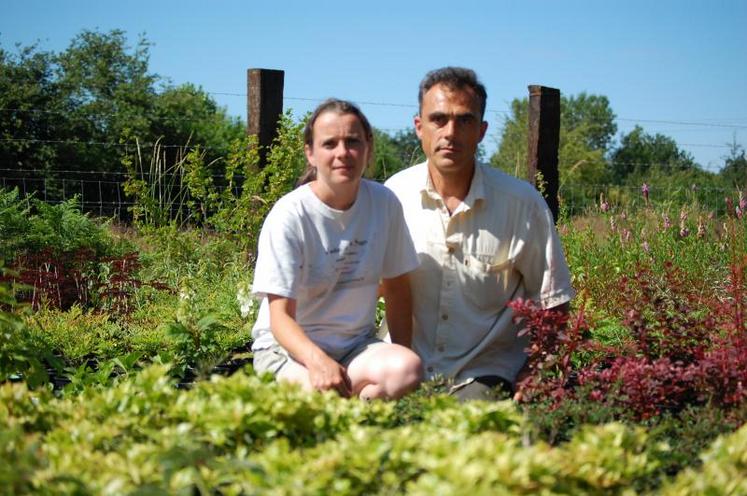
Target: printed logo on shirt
(348,256)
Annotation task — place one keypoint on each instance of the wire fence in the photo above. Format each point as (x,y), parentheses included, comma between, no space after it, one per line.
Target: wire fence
(103,193)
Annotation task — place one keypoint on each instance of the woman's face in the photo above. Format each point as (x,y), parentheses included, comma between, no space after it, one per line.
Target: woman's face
(340,149)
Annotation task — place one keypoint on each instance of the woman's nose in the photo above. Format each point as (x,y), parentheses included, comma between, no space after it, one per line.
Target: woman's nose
(342,149)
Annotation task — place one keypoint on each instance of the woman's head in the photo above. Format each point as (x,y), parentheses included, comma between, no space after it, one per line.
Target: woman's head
(336,130)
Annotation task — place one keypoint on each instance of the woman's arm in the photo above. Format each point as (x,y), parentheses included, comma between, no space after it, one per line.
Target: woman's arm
(398,305)
(324,372)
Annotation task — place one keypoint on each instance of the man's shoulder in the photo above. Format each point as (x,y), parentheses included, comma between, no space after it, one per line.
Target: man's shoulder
(410,179)
(505,185)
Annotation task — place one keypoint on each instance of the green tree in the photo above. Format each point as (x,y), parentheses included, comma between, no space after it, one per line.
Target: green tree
(639,153)
(394,153)
(28,106)
(106,93)
(657,161)
(77,110)
(187,114)
(734,172)
(587,125)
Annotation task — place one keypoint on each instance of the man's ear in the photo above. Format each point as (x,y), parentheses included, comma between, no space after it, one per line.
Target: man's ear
(418,125)
(483,129)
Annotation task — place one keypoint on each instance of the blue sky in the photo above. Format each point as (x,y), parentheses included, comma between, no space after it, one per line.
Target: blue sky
(675,67)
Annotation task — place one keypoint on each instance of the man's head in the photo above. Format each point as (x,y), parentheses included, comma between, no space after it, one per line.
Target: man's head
(454,78)
(450,122)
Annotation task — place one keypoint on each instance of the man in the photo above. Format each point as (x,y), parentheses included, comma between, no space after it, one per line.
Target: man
(484,238)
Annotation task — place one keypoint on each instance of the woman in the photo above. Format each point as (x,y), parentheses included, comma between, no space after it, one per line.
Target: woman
(323,250)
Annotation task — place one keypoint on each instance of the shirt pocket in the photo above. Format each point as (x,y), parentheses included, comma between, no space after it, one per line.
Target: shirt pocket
(486,280)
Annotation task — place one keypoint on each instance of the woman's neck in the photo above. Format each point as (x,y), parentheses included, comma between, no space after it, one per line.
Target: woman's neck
(341,197)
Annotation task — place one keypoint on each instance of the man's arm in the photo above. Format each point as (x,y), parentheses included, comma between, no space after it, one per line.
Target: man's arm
(398,305)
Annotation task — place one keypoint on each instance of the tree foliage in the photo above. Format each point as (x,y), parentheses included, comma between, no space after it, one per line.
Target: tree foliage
(76,110)
(734,172)
(394,153)
(587,126)
(639,151)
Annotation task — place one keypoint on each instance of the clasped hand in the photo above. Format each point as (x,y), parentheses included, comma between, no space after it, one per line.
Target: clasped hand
(325,374)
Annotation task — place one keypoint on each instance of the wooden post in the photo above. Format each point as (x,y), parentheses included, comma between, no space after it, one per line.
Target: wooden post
(264,106)
(544,140)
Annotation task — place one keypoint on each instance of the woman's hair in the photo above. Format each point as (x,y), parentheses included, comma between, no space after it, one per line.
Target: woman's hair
(339,107)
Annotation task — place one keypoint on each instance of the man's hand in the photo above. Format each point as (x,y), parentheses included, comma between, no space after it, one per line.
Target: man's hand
(326,374)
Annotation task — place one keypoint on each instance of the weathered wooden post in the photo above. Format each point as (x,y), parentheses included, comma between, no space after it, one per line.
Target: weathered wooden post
(264,106)
(544,140)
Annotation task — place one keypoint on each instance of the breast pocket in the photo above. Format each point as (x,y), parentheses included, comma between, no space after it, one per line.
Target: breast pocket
(487,281)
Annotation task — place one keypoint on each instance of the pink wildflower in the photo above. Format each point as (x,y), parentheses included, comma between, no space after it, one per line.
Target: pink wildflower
(613,224)
(684,231)
(667,222)
(701,228)
(626,235)
(644,190)
(646,247)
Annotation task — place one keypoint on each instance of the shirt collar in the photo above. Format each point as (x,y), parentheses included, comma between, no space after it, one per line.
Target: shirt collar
(476,188)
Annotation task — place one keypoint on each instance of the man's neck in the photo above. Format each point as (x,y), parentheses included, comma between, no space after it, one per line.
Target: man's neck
(453,188)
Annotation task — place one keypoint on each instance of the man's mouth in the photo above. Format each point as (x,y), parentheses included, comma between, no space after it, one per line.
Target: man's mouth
(448,149)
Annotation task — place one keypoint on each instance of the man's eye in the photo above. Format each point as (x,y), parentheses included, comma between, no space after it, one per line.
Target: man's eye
(439,120)
(352,142)
(466,119)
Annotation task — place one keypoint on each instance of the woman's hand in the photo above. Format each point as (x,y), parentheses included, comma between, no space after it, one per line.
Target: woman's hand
(326,374)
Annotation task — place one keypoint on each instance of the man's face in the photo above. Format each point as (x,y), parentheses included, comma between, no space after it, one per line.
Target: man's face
(450,128)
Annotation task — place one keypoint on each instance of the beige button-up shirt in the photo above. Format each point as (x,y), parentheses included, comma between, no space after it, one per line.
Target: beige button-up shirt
(500,244)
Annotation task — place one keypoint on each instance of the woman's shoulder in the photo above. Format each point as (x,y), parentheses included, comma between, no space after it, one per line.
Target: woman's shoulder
(290,206)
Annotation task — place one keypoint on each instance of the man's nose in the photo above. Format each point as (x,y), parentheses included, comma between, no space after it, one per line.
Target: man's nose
(450,128)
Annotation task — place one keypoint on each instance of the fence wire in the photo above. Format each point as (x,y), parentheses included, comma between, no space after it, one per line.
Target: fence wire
(103,194)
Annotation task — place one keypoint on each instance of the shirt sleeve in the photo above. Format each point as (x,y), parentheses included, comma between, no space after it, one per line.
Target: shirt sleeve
(279,255)
(547,277)
(400,256)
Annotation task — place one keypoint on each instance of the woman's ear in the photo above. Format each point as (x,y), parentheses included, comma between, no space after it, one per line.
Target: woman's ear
(308,151)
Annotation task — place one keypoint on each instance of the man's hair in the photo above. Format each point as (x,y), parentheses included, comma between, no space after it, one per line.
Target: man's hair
(454,78)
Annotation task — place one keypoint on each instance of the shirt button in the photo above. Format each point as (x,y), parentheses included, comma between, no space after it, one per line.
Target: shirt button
(445,317)
(441,349)
(430,369)
(450,249)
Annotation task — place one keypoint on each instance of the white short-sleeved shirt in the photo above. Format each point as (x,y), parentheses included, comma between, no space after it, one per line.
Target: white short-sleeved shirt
(330,261)
(500,244)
